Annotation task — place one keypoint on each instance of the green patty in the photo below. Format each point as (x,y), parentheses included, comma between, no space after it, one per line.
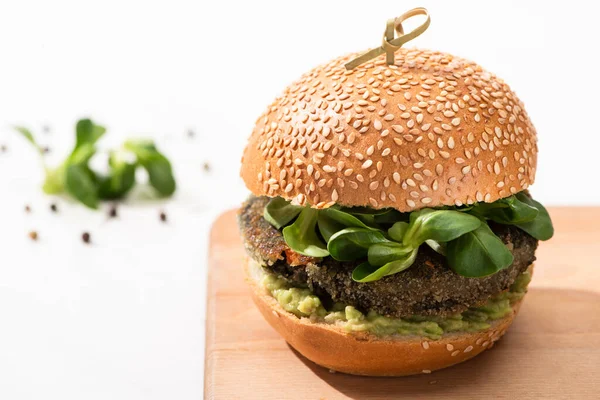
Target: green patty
(303,303)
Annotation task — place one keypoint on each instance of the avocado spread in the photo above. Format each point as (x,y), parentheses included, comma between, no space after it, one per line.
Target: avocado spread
(303,303)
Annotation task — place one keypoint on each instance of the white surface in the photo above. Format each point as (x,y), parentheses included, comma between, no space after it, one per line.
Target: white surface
(124,318)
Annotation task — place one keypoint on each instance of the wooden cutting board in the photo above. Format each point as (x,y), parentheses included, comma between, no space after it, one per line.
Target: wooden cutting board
(552,351)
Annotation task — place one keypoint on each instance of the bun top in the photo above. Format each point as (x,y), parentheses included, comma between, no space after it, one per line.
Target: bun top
(429,131)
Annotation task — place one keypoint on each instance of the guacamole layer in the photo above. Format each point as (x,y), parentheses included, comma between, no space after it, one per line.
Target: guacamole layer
(304,304)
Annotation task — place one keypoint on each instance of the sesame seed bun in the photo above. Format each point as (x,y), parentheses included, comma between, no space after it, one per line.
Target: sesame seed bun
(429,131)
(360,353)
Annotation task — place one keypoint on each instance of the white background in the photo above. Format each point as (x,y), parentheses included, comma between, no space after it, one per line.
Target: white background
(124,317)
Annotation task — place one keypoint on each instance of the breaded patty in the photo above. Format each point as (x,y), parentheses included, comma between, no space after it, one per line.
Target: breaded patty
(428,287)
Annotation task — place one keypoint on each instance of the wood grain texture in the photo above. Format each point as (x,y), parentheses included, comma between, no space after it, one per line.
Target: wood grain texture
(551,351)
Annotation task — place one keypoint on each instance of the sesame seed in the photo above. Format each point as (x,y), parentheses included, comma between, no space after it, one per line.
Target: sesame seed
(398,128)
(497,168)
(449,347)
(334,195)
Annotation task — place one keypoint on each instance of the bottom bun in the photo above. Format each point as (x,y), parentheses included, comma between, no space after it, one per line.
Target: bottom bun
(361,353)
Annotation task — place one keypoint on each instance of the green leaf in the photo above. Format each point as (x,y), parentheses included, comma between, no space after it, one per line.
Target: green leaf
(328,226)
(400,265)
(363,210)
(280,212)
(438,247)
(509,211)
(137,145)
(541,227)
(353,243)
(366,270)
(519,210)
(371,216)
(302,237)
(368,273)
(332,220)
(160,172)
(398,230)
(87,132)
(120,180)
(55,180)
(461,208)
(82,154)
(345,219)
(390,216)
(478,253)
(26,133)
(438,225)
(75,176)
(380,254)
(81,185)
